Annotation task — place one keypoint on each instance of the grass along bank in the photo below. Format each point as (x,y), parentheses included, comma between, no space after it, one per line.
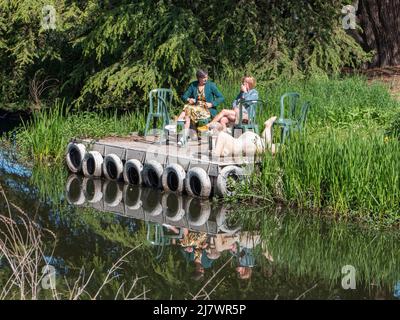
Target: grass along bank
(346,164)
(347,174)
(47,134)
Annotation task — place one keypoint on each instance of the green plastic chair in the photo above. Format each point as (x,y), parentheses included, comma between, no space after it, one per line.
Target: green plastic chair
(157,237)
(253,109)
(291,119)
(160,103)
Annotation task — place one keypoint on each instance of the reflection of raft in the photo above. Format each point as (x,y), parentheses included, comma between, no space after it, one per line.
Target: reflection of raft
(147,204)
(162,166)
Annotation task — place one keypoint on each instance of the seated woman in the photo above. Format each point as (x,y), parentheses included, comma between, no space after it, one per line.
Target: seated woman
(201,98)
(247,92)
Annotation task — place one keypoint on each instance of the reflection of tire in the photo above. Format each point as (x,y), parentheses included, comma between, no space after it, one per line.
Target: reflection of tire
(133,172)
(229,172)
(92,164)
(151,202)
(112,193)
(198,211)
(198,183)
(92,189)
(173,178)
(74,193)
(172,205)
(112,167)
(221,222)
(74,157)
(132,196)
(151,174)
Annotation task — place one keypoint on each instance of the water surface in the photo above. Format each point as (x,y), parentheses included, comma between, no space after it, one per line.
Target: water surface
(186,248)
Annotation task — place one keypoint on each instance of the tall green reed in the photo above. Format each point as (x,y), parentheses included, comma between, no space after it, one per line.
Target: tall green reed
(46,135)
(347,173)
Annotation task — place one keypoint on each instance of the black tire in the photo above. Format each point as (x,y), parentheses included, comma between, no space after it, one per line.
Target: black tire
(92,189)
(133,172)
(74,156)
(222,188)
(73,190)
(112,193)
(112,167)
(198,183)
(132,197)
(173,178)
(198,211)
(92,164)
(152,174)
(173,206)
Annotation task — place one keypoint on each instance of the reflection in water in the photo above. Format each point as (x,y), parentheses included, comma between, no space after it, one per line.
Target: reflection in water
(132,197)
(173,206)
(196,226)
(200,231)
(148,204)
(151,202)
(93,190)
(184,242)
(75,194)
(112,193)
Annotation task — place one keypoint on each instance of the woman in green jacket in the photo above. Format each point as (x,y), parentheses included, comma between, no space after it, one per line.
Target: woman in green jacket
(201,98)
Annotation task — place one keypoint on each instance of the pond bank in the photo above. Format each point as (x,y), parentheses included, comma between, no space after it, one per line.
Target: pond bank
(346,165)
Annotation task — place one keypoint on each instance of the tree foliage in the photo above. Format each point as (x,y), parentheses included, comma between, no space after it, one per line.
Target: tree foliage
(109,53)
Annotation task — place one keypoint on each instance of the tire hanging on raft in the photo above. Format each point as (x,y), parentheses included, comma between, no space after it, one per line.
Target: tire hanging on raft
(227,173)
(112,192)
(173,178)
(173,206)
(133,172)
(92,164)
(112,167)
(92,189)
(198,183)
(198,211)
(74,156)
(73,191)
(152,173)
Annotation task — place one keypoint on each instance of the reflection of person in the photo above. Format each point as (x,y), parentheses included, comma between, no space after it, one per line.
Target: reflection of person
(241,246)
(396,293)
(195,249)
(247,93)
(201,98)
(246,262)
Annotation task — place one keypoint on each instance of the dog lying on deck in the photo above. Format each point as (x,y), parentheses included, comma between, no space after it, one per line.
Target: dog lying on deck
(248,144)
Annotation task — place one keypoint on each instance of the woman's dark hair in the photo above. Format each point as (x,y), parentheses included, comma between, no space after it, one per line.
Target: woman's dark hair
(200,74)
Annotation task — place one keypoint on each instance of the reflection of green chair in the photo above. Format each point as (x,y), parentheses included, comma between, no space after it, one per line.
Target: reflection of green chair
(160,103)
(157,236)
(294,118)
(253,108)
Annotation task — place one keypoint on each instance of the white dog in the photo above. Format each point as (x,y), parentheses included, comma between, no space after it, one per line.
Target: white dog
(248,144)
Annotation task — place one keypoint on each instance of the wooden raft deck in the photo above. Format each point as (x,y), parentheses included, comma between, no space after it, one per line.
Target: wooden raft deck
(194,154)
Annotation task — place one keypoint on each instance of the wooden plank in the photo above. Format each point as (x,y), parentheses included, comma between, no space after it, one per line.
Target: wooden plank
(120,152)
(135,154)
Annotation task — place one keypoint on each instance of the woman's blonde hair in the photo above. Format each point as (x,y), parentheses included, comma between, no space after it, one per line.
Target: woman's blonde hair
(251,81)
